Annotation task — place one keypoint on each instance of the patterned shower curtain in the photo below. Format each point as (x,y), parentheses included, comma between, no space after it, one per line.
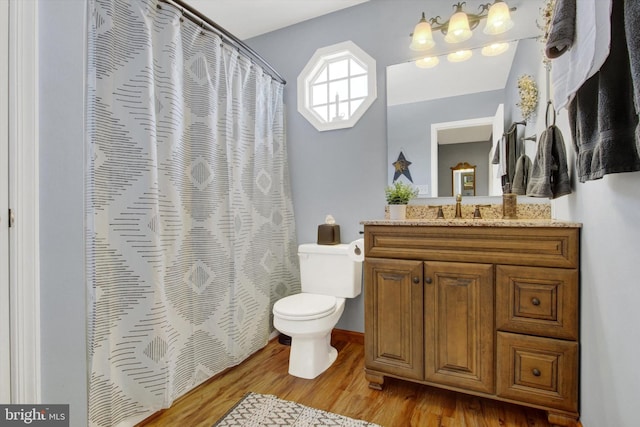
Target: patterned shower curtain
(189,219)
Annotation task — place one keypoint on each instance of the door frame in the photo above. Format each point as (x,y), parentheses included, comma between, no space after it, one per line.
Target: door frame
(24,248)
(5,330)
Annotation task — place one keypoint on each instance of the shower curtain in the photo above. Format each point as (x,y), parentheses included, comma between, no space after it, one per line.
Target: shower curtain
(190,227)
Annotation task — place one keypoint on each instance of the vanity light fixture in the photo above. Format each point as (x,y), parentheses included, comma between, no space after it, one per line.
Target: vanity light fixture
(459,27)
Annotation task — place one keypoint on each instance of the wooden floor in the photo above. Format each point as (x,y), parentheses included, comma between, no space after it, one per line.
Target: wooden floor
(342,389)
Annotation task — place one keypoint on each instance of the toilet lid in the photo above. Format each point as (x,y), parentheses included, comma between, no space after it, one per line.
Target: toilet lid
(304,306)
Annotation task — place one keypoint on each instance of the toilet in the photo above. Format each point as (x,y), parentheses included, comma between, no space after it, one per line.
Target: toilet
(328,275)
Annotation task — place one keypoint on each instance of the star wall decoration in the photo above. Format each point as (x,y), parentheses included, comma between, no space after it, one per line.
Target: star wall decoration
(402,168)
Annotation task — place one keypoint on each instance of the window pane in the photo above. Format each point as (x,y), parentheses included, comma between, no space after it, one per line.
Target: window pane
(355,105)
(344,110)
(332,112)
(357,68)
(318,94)
(322,112)
(322,76)
(339,89)
(339,69)
(359,87)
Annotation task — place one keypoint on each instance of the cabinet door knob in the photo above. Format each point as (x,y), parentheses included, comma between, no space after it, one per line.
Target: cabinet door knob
(416,280)
(428,280)
(535,301)
(535,372)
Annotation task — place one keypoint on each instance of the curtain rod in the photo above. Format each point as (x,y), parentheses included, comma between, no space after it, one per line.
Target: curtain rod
(195,15)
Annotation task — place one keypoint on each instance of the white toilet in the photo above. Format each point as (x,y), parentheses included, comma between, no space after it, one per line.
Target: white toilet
(328,275)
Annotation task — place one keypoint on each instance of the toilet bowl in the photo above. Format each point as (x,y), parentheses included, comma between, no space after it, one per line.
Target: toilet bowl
(311,351)
(328,275)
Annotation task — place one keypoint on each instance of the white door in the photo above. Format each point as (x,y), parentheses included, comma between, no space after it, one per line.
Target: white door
(5,337)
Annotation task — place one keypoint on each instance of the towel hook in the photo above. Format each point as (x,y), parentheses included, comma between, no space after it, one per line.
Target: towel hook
(546,114)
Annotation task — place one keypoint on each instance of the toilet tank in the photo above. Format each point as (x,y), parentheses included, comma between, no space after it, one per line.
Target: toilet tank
(328,270)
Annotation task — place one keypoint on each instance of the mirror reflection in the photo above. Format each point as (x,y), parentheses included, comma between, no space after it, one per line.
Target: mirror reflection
(463,179)
(462,107)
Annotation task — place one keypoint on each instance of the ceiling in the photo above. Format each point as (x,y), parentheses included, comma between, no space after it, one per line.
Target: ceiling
(249,18)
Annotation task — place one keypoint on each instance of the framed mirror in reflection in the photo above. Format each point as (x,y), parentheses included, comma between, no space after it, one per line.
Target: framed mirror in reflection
(463,179)
(457,112)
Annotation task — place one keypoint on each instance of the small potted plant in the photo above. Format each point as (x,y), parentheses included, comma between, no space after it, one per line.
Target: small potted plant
(398,196)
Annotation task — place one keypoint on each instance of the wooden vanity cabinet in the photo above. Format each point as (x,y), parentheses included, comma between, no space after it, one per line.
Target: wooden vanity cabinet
(486,310)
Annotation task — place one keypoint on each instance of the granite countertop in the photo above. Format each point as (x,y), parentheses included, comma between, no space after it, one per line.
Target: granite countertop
(470,222)
(528,215)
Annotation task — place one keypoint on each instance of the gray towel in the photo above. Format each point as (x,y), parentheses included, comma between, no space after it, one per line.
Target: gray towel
(521,177)
(508,140)
(603,115)
(512,152)
(632,28)
(562,29)
(550,174)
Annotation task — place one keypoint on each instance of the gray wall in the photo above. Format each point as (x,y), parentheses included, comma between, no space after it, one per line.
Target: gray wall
(409,128)
(339,172)
(474,153)
(62,286)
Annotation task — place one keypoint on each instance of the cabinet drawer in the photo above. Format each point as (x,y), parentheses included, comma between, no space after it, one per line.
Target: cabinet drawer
(541,371)
(538,301)
(531,246)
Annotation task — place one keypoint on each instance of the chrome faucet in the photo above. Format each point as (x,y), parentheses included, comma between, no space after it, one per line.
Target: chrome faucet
(459,206)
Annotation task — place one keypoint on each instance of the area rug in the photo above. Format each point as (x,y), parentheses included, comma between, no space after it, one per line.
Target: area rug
(256,410)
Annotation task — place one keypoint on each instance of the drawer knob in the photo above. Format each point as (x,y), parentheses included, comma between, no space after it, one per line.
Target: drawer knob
(416,280)
(535,372)
(535,301)
(428,280)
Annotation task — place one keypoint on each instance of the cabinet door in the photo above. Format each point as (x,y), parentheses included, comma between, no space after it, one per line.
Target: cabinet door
(459,330)
(393,317)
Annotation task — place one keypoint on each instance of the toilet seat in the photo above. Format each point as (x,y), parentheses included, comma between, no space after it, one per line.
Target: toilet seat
(304,306)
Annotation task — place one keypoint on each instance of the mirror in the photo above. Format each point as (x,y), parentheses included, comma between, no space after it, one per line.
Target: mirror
(434,112)
(463,179)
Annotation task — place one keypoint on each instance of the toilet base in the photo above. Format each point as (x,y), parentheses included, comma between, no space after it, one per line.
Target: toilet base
(311,356)
(284,339)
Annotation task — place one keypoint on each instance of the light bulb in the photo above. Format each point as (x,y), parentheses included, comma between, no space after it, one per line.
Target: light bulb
(499,19)
(458,30)
(422,38)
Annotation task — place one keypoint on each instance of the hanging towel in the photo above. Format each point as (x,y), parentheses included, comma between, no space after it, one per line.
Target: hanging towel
(632,28)
(521,177)
(550,174)
(603,115)
(563,28)
(500,157)
(589,50)
(510,153)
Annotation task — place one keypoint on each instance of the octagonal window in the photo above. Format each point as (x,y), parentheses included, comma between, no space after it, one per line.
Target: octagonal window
(337,86)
